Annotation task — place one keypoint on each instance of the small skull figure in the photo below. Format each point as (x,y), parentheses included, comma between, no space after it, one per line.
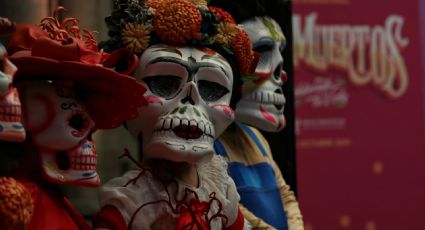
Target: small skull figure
(189,92)
(11,128)
(61,129)
(263,102)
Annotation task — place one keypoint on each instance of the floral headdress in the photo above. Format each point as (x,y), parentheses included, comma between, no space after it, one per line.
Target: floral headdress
(138,24)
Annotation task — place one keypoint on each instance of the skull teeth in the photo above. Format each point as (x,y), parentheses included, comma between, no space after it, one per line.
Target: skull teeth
(84,162)
(266,97)
(10,113)
(168,124)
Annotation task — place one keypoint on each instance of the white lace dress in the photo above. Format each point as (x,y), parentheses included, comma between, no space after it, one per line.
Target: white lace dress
(159,198)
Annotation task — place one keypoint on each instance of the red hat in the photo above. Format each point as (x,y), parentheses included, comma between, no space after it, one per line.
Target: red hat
(57,51)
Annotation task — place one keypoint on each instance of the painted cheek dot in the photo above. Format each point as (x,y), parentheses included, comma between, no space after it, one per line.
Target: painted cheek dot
(309,226)
(370,225)
(345,221)
(378,167)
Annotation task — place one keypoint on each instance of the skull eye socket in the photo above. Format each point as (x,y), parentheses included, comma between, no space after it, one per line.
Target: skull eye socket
(163,86)
(264,45)
(211,91)
(263,48)
(77,122)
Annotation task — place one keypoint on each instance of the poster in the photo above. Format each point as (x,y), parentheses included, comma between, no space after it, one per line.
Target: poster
(359,89)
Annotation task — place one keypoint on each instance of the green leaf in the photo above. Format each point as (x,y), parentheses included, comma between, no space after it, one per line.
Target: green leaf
(249,78)
(196,111)
(183,110)
(175,110)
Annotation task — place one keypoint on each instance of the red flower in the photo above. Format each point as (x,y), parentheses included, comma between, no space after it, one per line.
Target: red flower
(242,49)
(222,15)
(193,217)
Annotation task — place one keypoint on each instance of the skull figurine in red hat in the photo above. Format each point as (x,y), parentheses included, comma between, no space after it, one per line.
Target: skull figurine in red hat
(68,89)
(13,195)
(11,128)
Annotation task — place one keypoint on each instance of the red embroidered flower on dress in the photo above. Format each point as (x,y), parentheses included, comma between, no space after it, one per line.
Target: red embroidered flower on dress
(193,217)
(193,213)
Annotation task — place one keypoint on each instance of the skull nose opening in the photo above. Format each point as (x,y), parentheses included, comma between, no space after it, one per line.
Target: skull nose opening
(77,122)
(187,131)
(63,161)
(188,99)
(277,71)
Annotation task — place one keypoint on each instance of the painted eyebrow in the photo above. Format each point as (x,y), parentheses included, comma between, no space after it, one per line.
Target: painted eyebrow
(220,59)
(169,50)
(264,42)
(191,67)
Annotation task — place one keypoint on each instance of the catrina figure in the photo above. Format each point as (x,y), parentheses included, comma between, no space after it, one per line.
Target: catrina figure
(13,195)
(191,58)
(68,89)
(11,130)
(266,199)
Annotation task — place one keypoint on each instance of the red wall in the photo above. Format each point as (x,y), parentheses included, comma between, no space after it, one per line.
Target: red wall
(359,86)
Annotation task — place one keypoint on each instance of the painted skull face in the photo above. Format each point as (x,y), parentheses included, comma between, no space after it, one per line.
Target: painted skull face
(263,102)
(11,128)
(189,92)
(61,130)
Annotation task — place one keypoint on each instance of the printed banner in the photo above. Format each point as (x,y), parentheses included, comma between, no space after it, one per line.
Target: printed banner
(359,88)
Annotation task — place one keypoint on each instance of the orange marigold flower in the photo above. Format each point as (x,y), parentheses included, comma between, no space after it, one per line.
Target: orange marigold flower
(177,21)
(242,49)
(222,15)
(16,207)
(136,37)
(154,3)
(226,33)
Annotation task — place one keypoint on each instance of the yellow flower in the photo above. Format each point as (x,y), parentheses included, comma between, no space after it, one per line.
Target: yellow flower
(200,3)
(226,33)
(136,37)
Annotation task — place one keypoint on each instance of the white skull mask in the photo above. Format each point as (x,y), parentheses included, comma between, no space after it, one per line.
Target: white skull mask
(61,130)
(189,92)
(11,128)
(263,102)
